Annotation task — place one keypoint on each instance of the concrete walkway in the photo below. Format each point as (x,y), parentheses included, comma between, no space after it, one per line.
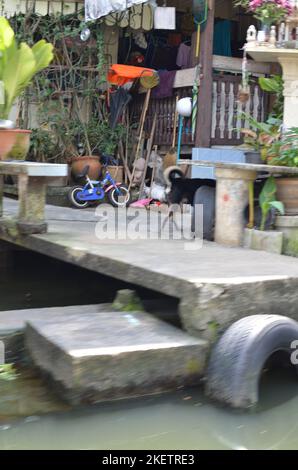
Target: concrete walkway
(216,285)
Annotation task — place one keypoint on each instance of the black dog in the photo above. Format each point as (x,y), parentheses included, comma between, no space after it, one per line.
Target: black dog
(181,189)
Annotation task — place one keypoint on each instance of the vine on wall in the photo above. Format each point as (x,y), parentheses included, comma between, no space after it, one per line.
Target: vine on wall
(69,107)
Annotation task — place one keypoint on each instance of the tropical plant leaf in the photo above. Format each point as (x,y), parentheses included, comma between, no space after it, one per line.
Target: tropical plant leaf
(18,65)
(268,191)
(17,74)
(271,85)
(43,53)
(6,34)
(278,205)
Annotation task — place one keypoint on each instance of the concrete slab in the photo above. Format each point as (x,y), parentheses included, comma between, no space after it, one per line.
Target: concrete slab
(109,355)
(14,321)
(216,285)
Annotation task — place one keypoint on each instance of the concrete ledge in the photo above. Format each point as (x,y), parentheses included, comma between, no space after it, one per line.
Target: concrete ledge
(270,241)
(55,195)
(110,355)
(288,225)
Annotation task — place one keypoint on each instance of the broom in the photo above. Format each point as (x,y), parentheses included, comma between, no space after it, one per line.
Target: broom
(171,157)
(200,12)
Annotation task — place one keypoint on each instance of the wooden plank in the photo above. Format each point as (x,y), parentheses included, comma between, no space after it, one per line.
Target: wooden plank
(186,77)
(204,121)
(233,64)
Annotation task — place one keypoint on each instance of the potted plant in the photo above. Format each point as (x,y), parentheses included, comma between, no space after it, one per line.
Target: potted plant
(260,136)
(268,12)
(262,238)
(18,65)
(88,142)
(284,152)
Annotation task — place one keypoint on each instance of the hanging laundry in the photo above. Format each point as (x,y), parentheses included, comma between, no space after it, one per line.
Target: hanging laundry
(184,56)
(140,39)
(97,8)
(222,38)
(166,84)
(165,58)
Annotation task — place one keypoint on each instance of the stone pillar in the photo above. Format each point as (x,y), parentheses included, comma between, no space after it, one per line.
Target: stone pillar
(231,200)
(32,198)
(290,76)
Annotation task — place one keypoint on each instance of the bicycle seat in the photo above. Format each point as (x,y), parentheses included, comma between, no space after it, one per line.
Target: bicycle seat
(84,172)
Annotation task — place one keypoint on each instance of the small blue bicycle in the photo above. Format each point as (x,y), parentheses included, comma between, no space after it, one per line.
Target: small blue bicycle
(94,191)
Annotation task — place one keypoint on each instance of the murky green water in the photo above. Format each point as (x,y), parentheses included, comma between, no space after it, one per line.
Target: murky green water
(181,420)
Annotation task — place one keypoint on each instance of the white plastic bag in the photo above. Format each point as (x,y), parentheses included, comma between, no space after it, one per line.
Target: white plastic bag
(95,9)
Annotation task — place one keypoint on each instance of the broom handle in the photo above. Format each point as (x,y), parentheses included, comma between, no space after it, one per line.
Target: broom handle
(145,109)
(198,40)
(175,123)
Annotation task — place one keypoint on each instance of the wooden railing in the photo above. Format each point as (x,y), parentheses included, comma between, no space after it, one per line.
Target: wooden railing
(226,111)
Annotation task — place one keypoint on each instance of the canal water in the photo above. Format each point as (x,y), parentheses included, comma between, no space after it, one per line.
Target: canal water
(33,417)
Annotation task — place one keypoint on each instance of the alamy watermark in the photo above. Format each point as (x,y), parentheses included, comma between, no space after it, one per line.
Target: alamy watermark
(2,352)
(183,223)
(294,355)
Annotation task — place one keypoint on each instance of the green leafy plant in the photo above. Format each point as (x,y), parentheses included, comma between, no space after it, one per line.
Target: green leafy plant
(267,201)
(274,85)
(260,136)
(18,65)
(102,137)
(284,152)
(96,138)
(44,146)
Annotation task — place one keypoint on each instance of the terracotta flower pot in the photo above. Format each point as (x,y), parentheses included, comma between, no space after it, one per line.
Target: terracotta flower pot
(287,192)
(116,173)
(14,144)
(78,164)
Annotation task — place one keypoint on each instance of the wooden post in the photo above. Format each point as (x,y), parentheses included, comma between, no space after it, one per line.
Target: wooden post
(32,199)
(204,120)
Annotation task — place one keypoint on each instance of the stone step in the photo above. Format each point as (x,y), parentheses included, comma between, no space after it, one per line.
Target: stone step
(108,355)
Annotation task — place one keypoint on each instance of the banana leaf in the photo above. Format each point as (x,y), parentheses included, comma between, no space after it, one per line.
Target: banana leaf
(18,65)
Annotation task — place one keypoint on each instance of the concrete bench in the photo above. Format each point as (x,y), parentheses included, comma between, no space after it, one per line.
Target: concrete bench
(232,195)
(32,182)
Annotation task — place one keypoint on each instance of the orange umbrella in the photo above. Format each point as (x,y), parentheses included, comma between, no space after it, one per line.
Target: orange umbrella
(120,74)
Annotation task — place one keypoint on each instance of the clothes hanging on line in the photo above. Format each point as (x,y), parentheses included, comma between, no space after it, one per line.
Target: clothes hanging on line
(166,84)
(184,56)
(95,9)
